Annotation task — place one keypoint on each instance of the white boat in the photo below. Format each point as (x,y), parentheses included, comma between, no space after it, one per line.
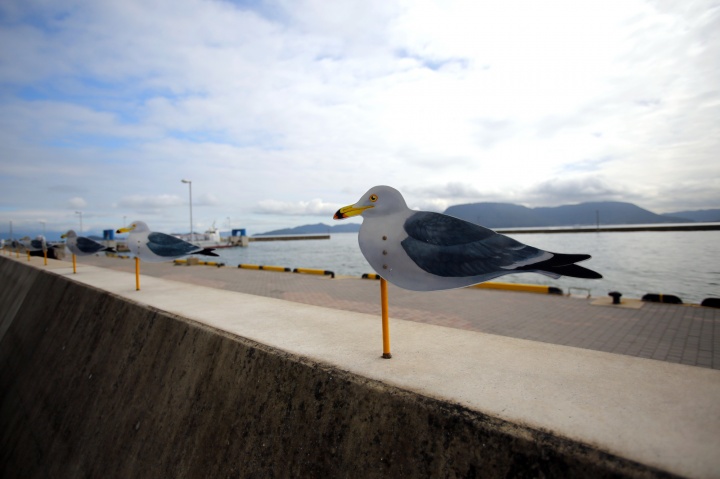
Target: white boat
(212,239)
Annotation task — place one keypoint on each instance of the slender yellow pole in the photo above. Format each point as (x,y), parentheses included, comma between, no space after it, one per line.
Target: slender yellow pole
(45,257)
(28,253)
(74,264)
(137,273)
(385,322)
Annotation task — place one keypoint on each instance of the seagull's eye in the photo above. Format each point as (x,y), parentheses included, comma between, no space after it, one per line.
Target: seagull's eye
(373,198)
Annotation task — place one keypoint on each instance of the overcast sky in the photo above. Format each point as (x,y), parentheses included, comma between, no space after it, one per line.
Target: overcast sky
(282,111)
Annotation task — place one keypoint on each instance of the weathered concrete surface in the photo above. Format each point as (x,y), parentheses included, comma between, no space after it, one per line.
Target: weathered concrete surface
(93,385)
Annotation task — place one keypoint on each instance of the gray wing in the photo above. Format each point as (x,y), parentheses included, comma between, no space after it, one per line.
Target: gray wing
(446,246)
(86,245)
(169,246)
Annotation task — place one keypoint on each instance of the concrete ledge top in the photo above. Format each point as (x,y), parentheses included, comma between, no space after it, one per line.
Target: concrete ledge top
(657,413)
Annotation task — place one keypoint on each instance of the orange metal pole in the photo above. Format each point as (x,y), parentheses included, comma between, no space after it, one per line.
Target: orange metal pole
(28,253)
(385,321)
(45,257)
(137,273)
(74,264)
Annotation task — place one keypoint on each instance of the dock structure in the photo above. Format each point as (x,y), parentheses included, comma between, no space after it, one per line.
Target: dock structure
(614,228)
(216,372)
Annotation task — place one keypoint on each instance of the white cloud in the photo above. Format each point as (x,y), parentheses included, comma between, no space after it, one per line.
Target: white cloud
(577,189)
(450,102)
(150,202)
(314,207)
(77,202)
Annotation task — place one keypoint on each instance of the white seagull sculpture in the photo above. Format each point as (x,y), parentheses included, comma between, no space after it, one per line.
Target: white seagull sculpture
(82,246)
(158,247)
(37,244)
(425,251)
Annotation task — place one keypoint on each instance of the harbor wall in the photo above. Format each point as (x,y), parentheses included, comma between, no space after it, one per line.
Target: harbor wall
(94,385)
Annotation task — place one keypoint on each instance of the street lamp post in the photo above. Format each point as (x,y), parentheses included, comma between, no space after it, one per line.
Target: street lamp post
(192,236)
(80,213)
(43,223)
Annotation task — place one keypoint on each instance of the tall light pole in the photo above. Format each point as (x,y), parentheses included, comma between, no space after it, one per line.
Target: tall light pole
(80,213)
(192,236)
(43,223)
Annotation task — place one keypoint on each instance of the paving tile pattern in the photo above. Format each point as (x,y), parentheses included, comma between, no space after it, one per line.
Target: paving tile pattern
(674,333)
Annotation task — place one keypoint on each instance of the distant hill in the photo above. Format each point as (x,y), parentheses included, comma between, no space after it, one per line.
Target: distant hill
(497,215)
(506,215)
(610,213)
(319,228)
(701,216)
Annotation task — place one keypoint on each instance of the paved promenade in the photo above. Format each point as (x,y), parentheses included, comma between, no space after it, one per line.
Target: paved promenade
(674,333)
(653,412)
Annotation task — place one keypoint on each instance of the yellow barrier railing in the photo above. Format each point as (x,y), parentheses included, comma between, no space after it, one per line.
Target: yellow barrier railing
(322,272)
(203,263)
(280,269)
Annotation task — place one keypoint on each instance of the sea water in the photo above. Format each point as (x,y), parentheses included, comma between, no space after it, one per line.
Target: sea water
(682,263)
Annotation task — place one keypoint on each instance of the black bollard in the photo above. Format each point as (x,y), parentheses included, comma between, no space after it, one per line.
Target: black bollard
(615,296)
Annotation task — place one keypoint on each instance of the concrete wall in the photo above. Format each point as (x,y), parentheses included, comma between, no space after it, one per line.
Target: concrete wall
(92,385)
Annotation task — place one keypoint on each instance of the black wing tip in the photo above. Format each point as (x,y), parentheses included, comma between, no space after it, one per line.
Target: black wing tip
(207,252)
(562,259)
(564,265)
(576,271)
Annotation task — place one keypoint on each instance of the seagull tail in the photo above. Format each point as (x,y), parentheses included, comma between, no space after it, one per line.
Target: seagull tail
(206,252)
(564,265)
(110,250)
(576,271)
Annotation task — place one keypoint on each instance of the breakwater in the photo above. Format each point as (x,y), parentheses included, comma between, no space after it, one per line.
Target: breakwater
(614,229)
(96,385)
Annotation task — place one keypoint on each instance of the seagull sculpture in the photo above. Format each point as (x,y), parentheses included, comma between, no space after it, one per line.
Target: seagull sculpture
(82,246)
(158,247)
(425,251)
(37,244)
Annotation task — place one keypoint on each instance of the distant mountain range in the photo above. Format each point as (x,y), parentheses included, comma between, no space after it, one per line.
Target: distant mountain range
(701,216)
(508,215)
(316,229)
(504,215)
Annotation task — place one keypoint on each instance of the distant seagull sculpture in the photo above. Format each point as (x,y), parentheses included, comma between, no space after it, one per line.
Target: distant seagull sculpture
(32,246)
(37,244)
(424,251)
(158,247)
(82,246)
(155,247)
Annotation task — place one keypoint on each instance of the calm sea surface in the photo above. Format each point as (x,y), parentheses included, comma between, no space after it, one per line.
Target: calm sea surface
(685,264)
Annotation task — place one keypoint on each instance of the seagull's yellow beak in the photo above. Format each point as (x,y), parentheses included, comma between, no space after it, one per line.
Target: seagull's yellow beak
(348,211)
(126,230)
(63,236)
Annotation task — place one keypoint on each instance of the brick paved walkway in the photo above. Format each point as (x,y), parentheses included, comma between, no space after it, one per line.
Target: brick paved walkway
(679,334)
